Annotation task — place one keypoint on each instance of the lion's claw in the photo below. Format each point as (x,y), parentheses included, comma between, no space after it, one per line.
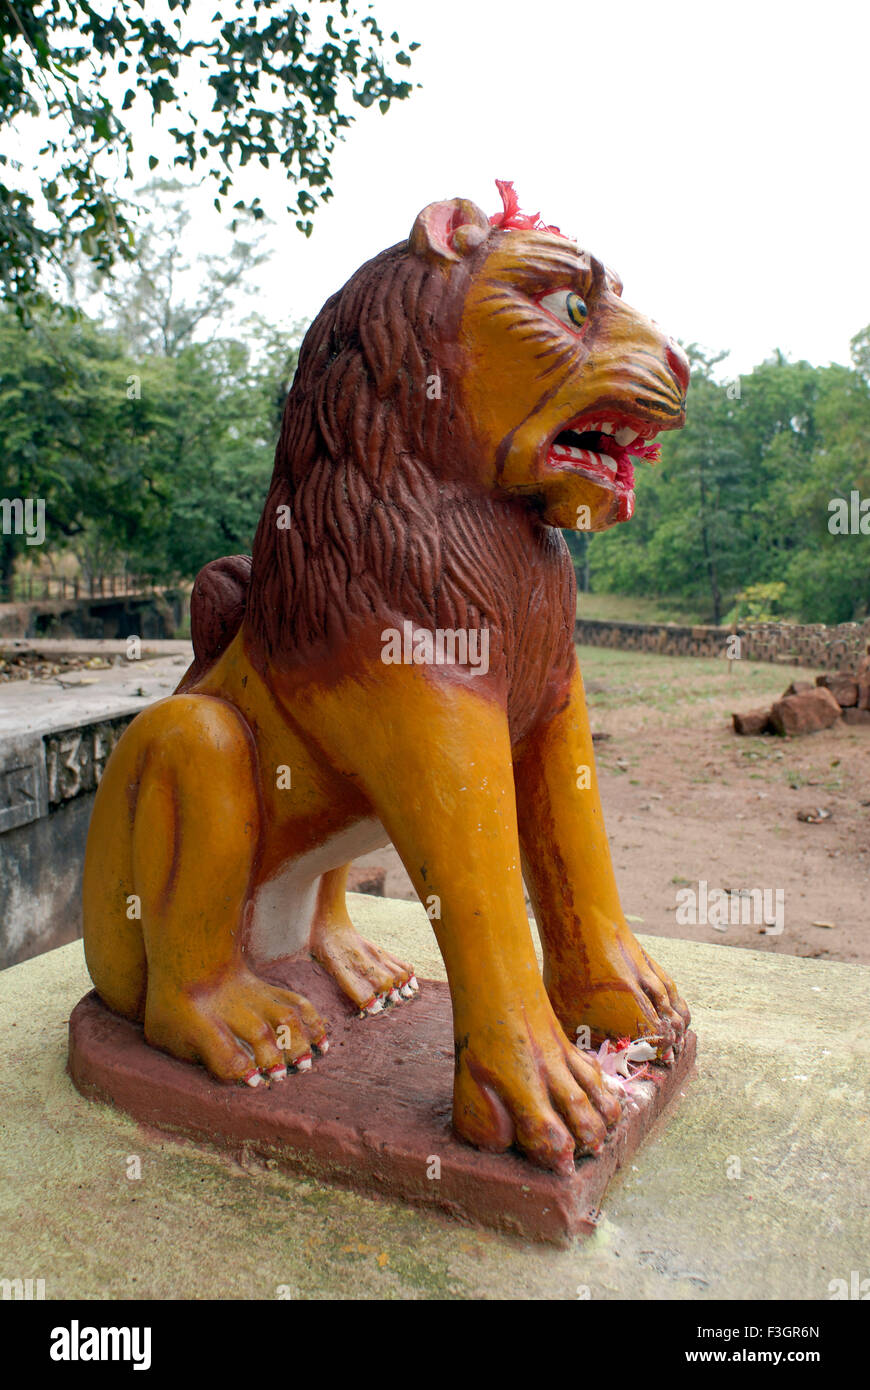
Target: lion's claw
(378,1002)
(631,998)
(370,977)
(526,1084)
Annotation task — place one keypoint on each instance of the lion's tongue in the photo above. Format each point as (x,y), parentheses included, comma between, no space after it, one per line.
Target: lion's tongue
(621,457)
(624,456)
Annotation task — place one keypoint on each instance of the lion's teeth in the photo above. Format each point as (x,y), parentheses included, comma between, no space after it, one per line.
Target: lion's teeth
(625,436)
(606,429)
(587,457)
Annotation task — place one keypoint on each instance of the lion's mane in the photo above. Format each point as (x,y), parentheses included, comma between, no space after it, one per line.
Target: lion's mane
(384,521)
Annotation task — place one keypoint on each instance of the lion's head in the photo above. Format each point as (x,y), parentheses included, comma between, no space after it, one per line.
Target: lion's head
(482,371)
(565,383)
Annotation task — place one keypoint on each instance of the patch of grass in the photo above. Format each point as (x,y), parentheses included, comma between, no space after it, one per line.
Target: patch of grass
(615,679)
(627,608)
(795,779)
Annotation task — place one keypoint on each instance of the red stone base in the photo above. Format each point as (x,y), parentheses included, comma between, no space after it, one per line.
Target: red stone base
(373,1114)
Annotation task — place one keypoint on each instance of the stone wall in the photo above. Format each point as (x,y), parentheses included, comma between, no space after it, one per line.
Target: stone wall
(47,785)
(156,615)
(811,644)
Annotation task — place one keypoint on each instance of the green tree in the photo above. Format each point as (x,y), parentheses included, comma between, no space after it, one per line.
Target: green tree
(158,463)
(742,498)
(686,536)
(828,574)
(281,86)
(211,450)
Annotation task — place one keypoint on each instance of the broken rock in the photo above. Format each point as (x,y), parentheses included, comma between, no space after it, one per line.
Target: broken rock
(362,879)
(806,713)
(757,721)
(856,716)
(844,689)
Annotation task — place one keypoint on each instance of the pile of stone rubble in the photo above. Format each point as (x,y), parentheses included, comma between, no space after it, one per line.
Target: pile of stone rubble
(806,708)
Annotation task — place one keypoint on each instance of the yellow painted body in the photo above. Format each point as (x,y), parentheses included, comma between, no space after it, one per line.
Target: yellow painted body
(189,819)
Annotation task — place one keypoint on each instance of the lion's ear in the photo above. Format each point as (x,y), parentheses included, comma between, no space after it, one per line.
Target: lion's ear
(448,231)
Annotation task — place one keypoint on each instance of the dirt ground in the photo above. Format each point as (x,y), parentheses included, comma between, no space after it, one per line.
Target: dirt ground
(687,800)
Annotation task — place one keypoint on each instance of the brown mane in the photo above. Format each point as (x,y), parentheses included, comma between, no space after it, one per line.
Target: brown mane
(385,523)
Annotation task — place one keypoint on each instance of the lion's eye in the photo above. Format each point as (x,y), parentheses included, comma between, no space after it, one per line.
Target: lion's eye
(567,307)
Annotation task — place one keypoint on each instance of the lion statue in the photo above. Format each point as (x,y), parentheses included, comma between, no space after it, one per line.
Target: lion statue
(396,663)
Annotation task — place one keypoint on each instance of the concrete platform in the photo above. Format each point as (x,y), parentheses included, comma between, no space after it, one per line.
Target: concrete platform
(755,1189)
(373,1114)
(84,647)
(30,708)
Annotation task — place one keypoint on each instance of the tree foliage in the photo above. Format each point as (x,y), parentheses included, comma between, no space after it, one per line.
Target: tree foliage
(279,86)
(154,463)
(160,301)
(743,496)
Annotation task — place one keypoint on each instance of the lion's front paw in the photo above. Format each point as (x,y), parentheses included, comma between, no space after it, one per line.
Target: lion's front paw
(622,994)
(519,1081)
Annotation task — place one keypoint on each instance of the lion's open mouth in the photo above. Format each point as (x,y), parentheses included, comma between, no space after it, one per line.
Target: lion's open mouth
(603,450)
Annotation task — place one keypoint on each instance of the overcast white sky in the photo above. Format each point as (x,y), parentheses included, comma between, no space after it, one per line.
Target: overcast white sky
(714,154)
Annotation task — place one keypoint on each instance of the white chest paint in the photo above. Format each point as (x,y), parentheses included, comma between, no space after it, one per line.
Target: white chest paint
(284,906)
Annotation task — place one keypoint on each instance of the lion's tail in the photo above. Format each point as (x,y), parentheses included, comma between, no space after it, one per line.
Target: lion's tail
(217,608)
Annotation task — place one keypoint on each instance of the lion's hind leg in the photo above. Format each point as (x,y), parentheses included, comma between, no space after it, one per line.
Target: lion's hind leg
(194,818)
(368,975)
(112,927)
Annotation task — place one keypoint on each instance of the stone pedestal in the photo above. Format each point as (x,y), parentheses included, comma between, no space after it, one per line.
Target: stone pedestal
(373,1114)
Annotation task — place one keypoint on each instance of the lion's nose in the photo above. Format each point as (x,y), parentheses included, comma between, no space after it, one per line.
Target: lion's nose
(679,365)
